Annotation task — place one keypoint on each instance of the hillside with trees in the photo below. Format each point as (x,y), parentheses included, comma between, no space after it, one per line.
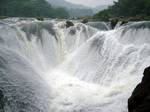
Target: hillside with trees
(30,8)
(129,9)
(66,4)
(80,12)
(74,10)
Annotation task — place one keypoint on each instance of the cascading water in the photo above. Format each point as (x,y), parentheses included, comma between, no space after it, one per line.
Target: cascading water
(45,67)
(100,25)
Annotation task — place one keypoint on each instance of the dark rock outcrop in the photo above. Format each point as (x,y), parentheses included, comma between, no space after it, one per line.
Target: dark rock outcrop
(124,22)
(84,21)
(140,98)
(40,18)
(2,101)
(69,24)
(113,22)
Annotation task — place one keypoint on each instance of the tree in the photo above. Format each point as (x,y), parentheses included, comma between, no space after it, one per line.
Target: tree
(128,8)
(30,8)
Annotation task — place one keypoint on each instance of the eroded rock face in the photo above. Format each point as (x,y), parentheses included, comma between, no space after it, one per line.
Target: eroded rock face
(140,98)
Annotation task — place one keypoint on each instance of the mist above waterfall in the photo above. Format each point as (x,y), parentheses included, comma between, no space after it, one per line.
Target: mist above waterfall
(46,67)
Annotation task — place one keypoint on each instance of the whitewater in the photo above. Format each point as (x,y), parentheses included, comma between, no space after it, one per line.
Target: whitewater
(46,67)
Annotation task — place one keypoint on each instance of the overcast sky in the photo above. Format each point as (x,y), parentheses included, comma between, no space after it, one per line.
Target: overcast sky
(92,3)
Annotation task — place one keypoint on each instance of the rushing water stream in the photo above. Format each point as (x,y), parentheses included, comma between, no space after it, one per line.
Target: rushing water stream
(46,67)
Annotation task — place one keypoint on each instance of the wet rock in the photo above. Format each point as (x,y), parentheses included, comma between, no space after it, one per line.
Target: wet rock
(40,18)
(2,101)
(124,22)
(113,22)
(140,98)
(84,21)
(69,24)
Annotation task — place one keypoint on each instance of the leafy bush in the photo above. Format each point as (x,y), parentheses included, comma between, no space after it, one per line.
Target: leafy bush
(131,9)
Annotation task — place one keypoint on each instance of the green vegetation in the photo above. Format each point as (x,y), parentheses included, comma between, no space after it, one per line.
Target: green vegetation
(40,18)
(80,12)
(30,8)
(3,17)
(128,10)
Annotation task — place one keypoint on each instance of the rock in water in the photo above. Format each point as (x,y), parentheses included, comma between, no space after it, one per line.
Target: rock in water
(84,21)
(140,98)
(113,22)
(69,24)
(2,103)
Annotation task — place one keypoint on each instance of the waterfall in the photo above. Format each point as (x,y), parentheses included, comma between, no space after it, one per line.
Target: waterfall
(100,25)
(46,67)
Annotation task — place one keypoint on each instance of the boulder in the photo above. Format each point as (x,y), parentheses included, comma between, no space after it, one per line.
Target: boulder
(40,18)
(113,22)
(140,98)
(69,24)
(84,21)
